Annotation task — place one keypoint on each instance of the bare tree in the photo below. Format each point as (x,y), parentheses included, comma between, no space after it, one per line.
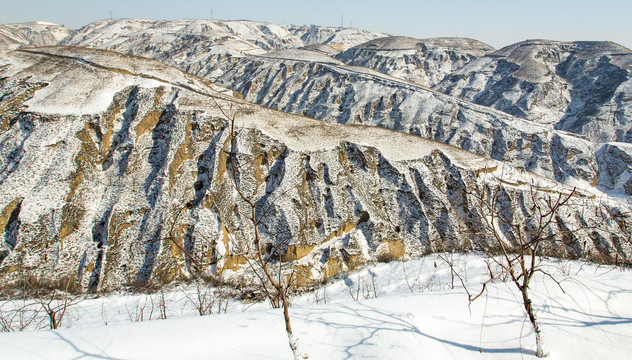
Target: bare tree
(206,299)
(517,229)
(364,286)
(279,283)
(54,303)
(265,260)
(20,316)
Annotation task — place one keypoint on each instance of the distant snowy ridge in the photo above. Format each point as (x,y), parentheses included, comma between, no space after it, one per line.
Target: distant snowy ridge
(337,37)
(580,87)
(207,48)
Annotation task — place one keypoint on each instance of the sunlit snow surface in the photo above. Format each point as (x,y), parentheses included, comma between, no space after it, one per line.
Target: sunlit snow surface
(403,310)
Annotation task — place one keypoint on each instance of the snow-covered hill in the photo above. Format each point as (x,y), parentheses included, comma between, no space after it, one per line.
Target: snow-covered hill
(36,33)
(102,152)
(425,62)
(581,87)
(556,86)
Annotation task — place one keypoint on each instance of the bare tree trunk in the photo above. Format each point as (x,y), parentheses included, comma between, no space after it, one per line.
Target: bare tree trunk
(288,329)
(281,291)
(535,322)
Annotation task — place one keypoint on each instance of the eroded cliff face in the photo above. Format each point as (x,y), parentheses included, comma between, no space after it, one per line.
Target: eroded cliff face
(115,167)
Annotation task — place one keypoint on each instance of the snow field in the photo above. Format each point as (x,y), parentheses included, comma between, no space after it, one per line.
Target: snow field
(389,310)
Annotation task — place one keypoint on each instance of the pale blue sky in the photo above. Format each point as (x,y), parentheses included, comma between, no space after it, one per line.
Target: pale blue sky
(496,22)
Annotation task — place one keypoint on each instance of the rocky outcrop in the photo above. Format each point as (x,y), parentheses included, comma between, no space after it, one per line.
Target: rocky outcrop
(615,168)
(114,166)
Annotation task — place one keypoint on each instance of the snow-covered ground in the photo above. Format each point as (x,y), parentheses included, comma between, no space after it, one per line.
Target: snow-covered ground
(391,310)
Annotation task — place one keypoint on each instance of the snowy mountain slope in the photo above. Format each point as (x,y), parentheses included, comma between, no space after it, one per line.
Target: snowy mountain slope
(412,311)
(102,152)
(581,87)
(36,33)
(329,91)
(425,62)
(302,54)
